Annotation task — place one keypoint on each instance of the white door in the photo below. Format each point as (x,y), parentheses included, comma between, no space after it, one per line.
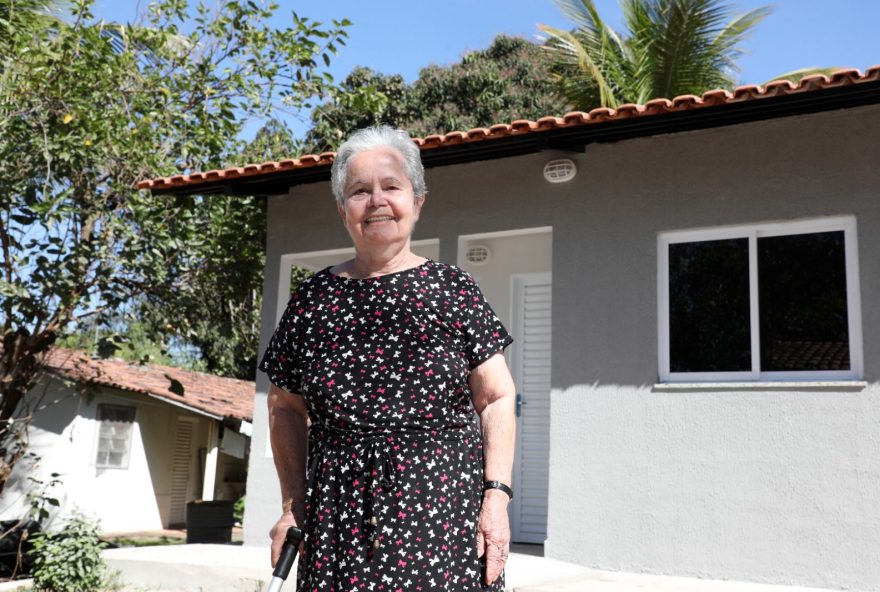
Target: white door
(180,471)
(530,364)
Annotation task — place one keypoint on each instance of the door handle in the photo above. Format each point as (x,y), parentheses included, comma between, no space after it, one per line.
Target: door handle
(519,404)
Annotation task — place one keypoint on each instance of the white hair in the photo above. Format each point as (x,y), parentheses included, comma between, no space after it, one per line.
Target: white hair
(380,136)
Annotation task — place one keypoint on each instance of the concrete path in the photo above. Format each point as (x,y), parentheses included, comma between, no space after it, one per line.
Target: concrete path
(606,581)
(233,568)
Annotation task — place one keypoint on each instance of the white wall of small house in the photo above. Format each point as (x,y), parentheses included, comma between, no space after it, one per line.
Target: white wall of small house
(761,484)
(64,435)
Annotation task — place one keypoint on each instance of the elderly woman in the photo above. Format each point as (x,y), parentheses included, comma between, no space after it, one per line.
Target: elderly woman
(378,367)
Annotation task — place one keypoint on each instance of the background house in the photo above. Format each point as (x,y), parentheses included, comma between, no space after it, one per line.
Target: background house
(698,344)
(132,444)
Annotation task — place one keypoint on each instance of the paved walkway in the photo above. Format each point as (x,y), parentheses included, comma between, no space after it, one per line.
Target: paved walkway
(233,568)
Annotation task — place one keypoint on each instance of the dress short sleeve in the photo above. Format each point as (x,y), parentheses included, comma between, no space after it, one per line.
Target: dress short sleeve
(282,361)
(484,333)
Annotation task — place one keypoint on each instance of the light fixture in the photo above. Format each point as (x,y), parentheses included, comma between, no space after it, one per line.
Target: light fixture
(478,254)
(560,170)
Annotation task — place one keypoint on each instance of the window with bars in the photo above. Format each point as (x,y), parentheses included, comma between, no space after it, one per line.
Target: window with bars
(114,436)
(763,302)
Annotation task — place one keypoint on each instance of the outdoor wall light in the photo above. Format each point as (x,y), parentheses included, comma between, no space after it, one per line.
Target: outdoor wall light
(478,254)
(560,170)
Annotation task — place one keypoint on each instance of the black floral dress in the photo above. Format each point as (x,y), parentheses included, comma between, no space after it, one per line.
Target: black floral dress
(395,453)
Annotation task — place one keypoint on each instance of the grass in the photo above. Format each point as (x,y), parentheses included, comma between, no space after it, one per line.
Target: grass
(144,541)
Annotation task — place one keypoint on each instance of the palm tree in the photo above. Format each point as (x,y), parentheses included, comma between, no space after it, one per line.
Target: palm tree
(26,15)
(671,48)
(19,12)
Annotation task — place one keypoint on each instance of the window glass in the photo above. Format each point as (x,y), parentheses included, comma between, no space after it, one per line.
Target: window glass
(774,301)
(803,302)
(709,324)
(114,436)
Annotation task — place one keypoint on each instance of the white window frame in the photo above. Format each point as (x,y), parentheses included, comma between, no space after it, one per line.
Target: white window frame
(127,458)
(753,232)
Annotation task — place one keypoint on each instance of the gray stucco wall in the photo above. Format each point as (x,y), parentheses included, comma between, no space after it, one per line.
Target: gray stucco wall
(776,486)
(769,486)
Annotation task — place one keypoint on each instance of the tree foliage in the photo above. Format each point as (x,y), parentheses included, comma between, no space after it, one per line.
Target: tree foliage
(128,339)
(205,317)
(215,304)
(504,82)
(367,98)
(88,109)
(669,48)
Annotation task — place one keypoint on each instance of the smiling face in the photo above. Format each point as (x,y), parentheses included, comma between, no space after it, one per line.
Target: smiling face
(378,208)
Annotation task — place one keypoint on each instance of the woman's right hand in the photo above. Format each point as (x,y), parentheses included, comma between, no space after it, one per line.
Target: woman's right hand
(279,532)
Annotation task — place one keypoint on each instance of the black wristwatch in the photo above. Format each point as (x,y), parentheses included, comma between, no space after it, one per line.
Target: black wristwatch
(498,485)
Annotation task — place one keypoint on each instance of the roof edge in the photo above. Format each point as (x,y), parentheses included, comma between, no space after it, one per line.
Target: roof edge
(843,88)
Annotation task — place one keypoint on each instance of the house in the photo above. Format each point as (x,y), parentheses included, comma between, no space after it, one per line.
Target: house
(692,284)
(132,444)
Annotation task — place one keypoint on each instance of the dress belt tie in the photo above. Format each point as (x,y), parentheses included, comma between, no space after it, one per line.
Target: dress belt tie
(381,471)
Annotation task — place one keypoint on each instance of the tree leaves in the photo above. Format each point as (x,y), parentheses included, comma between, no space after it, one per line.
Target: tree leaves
(670,48)
(88,109)
(504,82)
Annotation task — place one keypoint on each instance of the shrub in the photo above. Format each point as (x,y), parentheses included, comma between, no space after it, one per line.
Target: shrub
(70,560)
(238,510)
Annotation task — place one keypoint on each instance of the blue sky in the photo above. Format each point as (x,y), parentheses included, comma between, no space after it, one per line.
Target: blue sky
(403,36)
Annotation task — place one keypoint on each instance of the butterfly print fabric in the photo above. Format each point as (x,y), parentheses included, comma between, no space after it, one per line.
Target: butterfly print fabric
(395,464)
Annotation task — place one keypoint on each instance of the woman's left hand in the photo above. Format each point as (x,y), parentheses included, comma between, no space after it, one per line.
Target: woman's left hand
(493,396)
(493,533)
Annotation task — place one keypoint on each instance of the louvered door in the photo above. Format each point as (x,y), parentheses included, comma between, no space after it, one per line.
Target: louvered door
(180,471)
(530,363)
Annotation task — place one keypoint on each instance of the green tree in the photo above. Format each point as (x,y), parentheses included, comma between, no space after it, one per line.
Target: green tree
(88,109)
(214,305)
(366,98)
(670,48)
(128,339)
(207,317)
(273,141)
(505,82)
(46,12)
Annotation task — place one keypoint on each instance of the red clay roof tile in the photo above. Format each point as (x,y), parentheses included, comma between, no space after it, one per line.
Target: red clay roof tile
(778,87)
(748,92)
(657,106)
(433,141)
(601,114)
(628,110)
(717,97)
(684,102)
(652,108)
(814,82)
(849,76)
(456,137)
(573,118)
(227,398)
